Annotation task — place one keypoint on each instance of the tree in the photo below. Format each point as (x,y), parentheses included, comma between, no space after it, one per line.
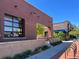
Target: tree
(40,29)
(55,35)
(59,35)
(74,32)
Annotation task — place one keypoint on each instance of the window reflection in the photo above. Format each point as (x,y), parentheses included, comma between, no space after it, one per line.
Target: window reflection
(7,28)
(7,23)
(16,29)
(8,18)
(16,34)
(16,24)
(7,34)
(15,20)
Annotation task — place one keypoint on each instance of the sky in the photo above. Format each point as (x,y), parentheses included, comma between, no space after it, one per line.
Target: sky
(59,10)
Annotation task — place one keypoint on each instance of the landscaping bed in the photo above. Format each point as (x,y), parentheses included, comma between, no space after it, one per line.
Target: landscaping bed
(28,53)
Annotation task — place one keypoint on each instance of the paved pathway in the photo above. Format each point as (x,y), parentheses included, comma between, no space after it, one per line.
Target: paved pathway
(51,52)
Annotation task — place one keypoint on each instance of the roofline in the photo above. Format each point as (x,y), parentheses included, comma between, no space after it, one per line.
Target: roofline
(62,22)
(37,9)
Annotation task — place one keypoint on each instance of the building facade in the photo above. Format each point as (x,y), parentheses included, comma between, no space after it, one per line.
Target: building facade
(65,27)
(18,20)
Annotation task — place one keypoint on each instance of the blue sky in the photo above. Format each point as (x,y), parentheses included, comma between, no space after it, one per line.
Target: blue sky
(60,10)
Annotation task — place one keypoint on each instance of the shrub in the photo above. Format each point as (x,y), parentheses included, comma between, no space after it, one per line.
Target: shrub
(56,43)
(59,35)
(23,55)
(45,47)
(18,56)
(37,50)
(7,57)
(26,53)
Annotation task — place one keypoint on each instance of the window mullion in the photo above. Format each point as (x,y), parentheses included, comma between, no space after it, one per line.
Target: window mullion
(12,27)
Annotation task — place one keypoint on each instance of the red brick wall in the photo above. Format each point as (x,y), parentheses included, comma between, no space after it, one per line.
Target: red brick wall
(30,14)
(63,25)
(58,26)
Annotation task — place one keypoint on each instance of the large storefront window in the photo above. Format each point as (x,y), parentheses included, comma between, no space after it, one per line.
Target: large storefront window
(13,26)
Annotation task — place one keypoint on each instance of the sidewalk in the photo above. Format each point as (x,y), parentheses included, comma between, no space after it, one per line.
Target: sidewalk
(53,52)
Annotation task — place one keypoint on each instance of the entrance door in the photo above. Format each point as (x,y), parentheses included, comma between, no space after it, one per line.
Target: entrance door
(46,34)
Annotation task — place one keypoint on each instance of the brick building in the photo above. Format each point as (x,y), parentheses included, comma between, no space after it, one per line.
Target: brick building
(18,20)
(65,27)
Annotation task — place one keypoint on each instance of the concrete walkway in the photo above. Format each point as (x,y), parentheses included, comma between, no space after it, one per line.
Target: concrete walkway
(53,52)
